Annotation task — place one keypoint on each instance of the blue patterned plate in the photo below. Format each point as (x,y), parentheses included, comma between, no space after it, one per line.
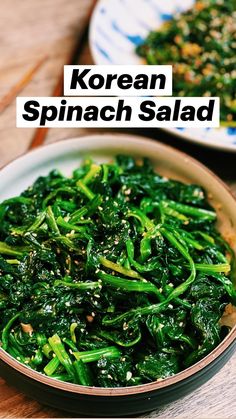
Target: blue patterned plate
(118,26)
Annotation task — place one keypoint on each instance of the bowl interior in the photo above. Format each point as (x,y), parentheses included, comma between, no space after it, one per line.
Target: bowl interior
(67,155)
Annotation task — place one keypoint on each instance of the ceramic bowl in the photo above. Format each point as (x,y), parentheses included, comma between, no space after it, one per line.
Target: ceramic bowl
(91,401)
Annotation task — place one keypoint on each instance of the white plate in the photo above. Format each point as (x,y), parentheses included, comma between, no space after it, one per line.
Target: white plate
(118,26)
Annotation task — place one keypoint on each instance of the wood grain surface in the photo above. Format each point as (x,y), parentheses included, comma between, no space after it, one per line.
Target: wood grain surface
(29,29)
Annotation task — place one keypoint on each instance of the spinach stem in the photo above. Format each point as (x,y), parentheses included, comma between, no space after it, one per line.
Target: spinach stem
(59,349)
(96,354)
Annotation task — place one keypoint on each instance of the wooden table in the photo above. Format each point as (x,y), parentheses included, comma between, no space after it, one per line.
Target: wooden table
(29,29)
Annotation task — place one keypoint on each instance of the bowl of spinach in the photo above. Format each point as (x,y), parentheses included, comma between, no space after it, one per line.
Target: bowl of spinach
(117,287)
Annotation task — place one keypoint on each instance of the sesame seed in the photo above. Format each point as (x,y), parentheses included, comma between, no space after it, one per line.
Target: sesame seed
(128,375)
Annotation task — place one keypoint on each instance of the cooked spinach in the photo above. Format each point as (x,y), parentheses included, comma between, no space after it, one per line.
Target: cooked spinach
(200,44)
(115,276)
